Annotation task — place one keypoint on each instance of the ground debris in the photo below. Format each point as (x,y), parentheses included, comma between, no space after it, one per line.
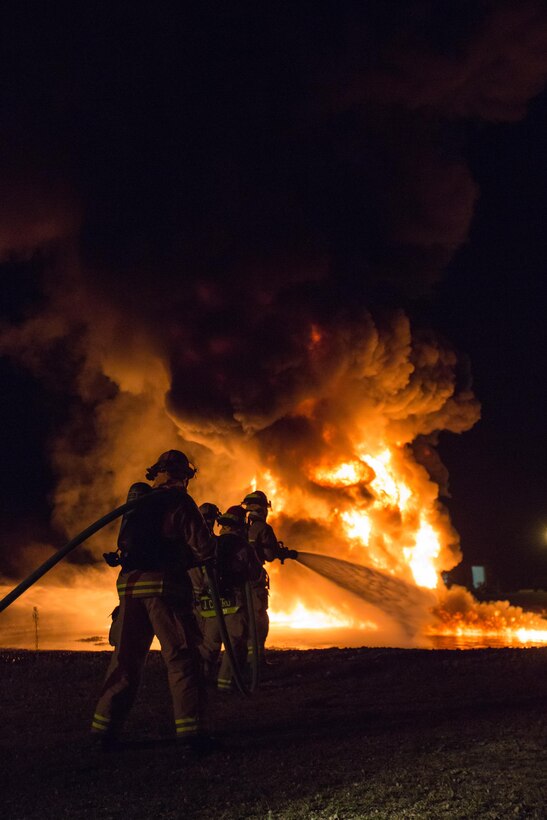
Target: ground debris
(388,734)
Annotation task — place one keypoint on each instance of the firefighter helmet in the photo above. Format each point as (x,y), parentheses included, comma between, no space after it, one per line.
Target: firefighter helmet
(173,462)
(233,517)
(210,512)
(256,499)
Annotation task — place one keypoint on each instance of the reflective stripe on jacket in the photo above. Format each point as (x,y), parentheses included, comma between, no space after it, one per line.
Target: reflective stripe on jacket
(229,605)
(139,584)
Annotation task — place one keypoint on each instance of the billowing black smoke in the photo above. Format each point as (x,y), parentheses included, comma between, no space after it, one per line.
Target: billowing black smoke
(231,203)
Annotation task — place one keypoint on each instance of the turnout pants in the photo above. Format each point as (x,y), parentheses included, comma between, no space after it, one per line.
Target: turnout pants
(238,630)
(139,619)
(260,602)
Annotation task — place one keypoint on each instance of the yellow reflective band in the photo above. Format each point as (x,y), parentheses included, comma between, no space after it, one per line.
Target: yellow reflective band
(147,594)
(187,730)
(101,718)
(229,610)
(142,589)
(207,607)
(182,721)
(139,583)
(99,727)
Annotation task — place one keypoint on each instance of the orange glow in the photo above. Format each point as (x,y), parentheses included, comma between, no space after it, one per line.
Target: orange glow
(363,522)
(358,526)
(510,634)
(300,617)
(336,460)
(387,513)
(421,557)
(385,483)
(343,475)
(315,337)
(531,635)
(458,613)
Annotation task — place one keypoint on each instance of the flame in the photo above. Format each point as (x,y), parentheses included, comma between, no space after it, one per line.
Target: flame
(373,505)
(343,475)
(358,526)
(421,557)
(300,617)
(387,492)
(509,634)
(386,510)
(531,635)
(458,613)
(385,483)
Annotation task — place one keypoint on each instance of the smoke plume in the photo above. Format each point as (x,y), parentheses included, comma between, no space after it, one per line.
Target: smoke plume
(243,201)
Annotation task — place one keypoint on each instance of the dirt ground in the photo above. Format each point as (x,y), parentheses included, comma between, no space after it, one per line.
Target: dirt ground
(338,733)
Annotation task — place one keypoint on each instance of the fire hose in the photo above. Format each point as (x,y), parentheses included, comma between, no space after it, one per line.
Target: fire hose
(211,575)
(72,544)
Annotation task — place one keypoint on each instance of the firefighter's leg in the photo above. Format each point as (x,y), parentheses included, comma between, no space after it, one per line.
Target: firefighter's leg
(178,634)
(123,675)
(260,601)
(199,619)
(209,648)
(115,626)
(238,631)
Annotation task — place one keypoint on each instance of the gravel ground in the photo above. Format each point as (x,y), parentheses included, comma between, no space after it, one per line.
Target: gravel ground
(337,733)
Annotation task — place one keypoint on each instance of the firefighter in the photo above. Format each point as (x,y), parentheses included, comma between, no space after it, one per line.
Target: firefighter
(210,513)
(267,548)
(158,541)
(236,563)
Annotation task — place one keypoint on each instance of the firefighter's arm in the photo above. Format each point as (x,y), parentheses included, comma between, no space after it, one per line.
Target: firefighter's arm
(268,543)
(196,533)
(284,552)
(272,548)
(197,577)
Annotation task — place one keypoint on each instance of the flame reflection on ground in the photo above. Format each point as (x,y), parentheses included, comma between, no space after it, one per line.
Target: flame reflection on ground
(281,637)
(83,626)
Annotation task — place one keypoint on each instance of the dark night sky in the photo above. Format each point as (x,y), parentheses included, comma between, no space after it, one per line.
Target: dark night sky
(119,129)
(492,304)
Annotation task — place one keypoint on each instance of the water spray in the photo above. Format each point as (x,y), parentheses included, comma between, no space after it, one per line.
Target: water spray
(398,599)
